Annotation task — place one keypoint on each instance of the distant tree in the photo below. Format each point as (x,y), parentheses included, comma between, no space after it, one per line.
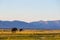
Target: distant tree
(20,29)
(14,29)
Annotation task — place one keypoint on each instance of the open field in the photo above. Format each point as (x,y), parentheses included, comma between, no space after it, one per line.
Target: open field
(31,35)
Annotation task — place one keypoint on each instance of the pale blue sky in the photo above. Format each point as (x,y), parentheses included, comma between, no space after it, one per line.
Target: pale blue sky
(30,10)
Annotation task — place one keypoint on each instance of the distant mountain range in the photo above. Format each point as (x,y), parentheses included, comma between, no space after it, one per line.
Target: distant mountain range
(32,25)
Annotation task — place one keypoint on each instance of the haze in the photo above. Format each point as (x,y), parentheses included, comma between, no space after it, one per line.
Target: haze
(30,10)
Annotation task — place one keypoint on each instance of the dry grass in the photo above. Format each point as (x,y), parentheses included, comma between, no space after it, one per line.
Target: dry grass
(30,35)
(31,32)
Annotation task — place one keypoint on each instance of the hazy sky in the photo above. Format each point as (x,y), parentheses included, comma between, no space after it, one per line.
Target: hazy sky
(30,10)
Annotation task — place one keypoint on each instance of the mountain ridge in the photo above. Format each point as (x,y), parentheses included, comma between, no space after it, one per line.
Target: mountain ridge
(32,25)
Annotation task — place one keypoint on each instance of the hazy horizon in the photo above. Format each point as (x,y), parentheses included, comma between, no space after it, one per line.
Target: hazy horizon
(30,10)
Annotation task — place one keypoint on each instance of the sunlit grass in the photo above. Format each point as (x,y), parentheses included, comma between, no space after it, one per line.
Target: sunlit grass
(30,35)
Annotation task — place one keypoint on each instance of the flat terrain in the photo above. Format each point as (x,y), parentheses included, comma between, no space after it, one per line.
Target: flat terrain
(31,35)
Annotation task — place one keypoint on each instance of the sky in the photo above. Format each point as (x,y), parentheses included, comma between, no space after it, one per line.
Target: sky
(30,10)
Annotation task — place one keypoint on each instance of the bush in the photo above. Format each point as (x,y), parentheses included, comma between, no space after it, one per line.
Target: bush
(14,29)
(20,29)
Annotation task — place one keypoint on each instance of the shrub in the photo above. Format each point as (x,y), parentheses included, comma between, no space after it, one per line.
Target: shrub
(14,29)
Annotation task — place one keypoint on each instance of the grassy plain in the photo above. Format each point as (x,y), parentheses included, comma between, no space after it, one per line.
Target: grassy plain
(31,35)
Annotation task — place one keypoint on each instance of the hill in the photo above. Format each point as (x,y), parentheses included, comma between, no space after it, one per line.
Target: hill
(32,25)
